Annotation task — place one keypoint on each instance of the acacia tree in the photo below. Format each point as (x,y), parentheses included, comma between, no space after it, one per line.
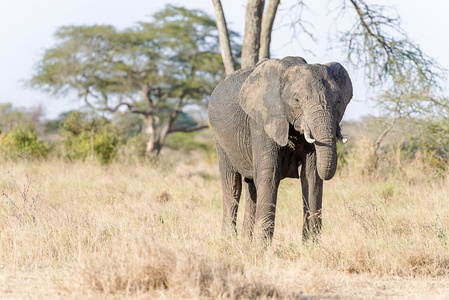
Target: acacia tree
(154,69)
(409,81)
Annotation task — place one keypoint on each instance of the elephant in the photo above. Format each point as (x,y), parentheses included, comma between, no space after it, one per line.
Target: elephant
(278,119)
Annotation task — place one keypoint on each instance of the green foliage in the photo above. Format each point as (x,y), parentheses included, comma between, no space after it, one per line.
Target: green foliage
(131,124)
(186,142)
(22,142)
(18,137)
(431,140)
(153,69)
(342,153)
(177,52)
(81,133)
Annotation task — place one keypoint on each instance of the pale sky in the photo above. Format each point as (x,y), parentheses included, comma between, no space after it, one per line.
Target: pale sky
(27,28)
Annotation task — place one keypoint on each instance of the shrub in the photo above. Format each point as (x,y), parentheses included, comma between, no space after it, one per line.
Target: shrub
(185,141)
(84,137)
(22,141)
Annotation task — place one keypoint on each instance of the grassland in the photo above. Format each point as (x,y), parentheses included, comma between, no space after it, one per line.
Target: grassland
(136,231)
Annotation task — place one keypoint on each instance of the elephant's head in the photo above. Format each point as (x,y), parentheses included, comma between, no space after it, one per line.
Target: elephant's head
(310,97)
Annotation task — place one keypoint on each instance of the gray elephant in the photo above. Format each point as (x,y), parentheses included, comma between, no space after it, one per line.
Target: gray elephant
(269,120)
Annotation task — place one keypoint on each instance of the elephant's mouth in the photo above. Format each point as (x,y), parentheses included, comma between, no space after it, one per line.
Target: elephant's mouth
(297,124)
(305,129)
(309,138)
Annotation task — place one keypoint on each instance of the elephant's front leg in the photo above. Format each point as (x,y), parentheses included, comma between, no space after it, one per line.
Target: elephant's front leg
(267,187)
(267,178)
(312,193)
(231,186)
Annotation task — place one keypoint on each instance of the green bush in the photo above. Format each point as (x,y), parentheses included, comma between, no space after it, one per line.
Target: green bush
(82,133)
(22,141)
(342,153)
(185,141)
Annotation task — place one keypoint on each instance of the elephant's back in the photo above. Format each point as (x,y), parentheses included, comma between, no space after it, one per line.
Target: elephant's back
(230,122)
(225,94)
(224,108)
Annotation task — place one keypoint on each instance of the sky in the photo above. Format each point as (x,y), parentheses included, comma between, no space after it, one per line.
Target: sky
(27,28)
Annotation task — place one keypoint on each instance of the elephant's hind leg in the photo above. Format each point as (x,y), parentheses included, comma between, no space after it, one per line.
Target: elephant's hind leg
(231,186)
(250,208)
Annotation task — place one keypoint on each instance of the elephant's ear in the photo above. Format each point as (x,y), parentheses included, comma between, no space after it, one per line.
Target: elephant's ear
(260,98)
(341,76)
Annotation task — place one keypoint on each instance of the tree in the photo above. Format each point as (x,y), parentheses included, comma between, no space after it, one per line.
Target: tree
(154,69)
(408,81)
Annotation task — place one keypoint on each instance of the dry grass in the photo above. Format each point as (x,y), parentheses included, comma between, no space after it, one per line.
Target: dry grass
(139,231)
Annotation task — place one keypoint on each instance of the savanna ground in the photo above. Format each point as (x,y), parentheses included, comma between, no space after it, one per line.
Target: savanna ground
(148,230)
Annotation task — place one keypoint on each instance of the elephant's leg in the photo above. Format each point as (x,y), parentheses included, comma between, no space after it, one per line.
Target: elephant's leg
(250,208)
(266,180)
(267,188)
(231,186)
(312,193)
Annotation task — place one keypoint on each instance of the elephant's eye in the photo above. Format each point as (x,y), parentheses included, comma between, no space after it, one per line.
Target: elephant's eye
(294,102)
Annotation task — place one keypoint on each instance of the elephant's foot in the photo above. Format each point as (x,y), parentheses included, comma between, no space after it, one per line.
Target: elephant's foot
(263,234)
(312,226)
(228,229)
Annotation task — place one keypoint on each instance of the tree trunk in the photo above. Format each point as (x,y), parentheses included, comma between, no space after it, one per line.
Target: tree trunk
(165,130)
(267,27)
(150,130)
(251,39)
(149,118)
(161,140)
(223,37)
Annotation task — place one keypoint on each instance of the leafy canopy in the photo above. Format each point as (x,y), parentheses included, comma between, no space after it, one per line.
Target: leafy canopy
(175,55)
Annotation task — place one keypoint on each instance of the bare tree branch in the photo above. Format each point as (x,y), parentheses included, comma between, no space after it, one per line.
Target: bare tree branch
(190,129)
(380,45)
(380,138)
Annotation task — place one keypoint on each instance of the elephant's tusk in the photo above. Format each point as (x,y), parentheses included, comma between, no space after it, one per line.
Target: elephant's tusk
(340,137)
(343,140)
(308,138)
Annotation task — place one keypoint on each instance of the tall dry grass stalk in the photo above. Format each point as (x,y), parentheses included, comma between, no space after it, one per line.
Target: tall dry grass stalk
(152,231)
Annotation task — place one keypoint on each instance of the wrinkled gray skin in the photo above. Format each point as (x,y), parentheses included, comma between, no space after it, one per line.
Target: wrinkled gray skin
(259,115)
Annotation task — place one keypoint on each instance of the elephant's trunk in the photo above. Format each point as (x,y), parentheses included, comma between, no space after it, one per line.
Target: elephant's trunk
(323,127)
